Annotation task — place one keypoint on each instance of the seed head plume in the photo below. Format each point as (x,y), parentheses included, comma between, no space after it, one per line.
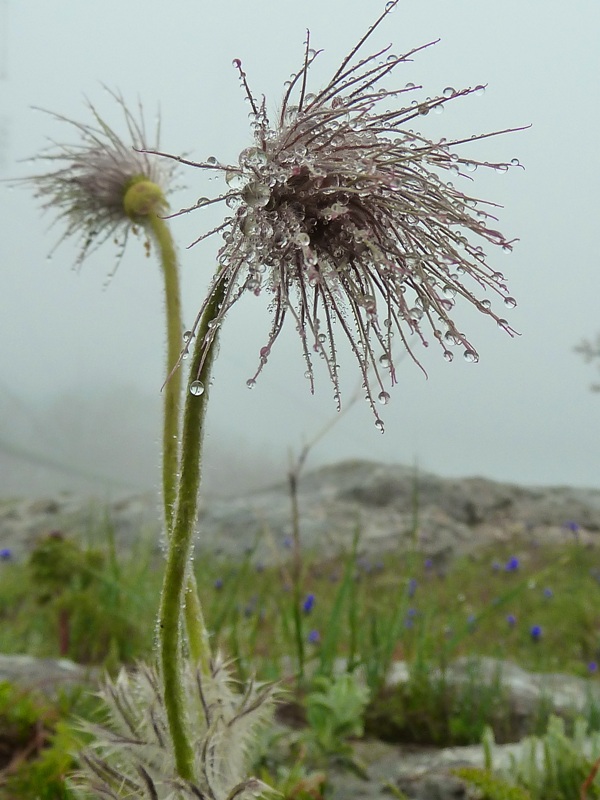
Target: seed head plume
(87,187)
(346,216)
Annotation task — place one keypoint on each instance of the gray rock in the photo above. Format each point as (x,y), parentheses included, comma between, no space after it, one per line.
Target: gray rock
(392,506)
(46,675)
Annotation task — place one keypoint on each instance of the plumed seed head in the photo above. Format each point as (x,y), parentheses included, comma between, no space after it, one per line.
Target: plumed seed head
(87,185)
(347,217)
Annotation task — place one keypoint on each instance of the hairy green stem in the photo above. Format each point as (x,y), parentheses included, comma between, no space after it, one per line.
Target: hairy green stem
(180,542)
(168,260)
(171,415)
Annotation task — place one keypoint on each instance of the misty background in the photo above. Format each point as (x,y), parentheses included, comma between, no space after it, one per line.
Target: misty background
(83,361)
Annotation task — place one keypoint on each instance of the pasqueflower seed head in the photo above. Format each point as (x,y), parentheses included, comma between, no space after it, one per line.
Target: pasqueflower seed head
(88,183)
(350,220)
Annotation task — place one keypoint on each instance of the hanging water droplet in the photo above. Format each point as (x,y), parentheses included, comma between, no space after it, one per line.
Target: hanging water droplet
(479,90)
(385,360)
(234,178)
(503,323)
(471,356)
(390,6)
(211,160)
(187,336)
(448,355)
(379,425)
(196,388)
(449,91)
(515,162)
(384,398)
(251,383)
(510,302)
(236,63)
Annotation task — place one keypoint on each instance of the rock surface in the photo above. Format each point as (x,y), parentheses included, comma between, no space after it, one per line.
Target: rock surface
(392,506)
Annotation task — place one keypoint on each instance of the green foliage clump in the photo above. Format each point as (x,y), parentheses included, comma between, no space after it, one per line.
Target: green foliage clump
(37,743)
(335,709)
(554,766)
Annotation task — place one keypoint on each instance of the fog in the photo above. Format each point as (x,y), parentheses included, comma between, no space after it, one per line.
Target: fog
(83,359)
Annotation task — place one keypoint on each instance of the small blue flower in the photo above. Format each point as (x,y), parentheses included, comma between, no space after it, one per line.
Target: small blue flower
(307,605)
(5,554)
(218,584)
(314,637)
(412,587)
(471,620)
(536,632)
(428,563)
(571,525)
(512,564)
(592,667)
(511,619)
(548,593)
(412,612)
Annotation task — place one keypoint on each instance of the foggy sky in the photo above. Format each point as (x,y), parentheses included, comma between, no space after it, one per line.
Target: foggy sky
(523,413)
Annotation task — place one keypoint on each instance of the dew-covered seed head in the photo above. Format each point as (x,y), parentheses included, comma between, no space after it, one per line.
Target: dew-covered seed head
(343,212)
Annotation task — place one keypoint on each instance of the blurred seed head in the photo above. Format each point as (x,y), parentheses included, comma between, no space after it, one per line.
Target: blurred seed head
(87,182)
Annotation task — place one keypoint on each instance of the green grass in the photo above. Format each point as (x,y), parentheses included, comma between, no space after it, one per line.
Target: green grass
(96,608)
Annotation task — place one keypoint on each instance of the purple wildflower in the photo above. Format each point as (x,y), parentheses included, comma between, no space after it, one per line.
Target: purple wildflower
(512,565)
(308,604)
(412,587)
(5,554)
(314,637)
(592,667)
(347,216)
(536,632)
(218,584)
(511,619)
(548,593)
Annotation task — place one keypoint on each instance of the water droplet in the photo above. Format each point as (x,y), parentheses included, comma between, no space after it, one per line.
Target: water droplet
(211,160)
(251,383)
(302,239)
(510,302)
(236,63)
(196,388)
(256,194)
(471,356)
(384,398)
(390,6)
(449,91)
(515,162)
(234,178)
(202,201)
(479,90)
(448,355)
(502,323)
(385,360)
(187,336)
(379,425)
(470,166)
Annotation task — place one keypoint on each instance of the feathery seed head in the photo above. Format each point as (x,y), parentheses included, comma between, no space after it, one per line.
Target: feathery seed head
(101,186)
(346,216)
